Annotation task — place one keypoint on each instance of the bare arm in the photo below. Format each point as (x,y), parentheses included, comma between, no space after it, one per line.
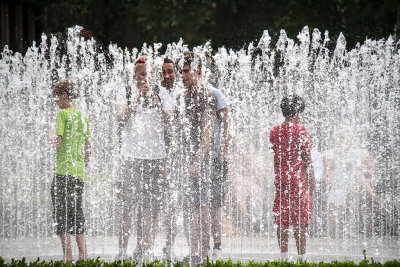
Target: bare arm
(88,151)
(225,116)
(53,139)
(306,156)
(328,171)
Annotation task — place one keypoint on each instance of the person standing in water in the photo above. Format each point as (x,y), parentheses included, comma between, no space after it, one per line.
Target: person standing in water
(143,161)
(219,168)
(71,139)
(169,91)
(294,176)
(196,112)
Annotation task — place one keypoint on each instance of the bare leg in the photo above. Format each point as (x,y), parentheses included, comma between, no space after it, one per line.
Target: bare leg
(205,230)
(171,230)
(216,225)
(194,231)
(126,203)
(153,221)
(301,239)
(66,247)
(125,225)
(283,237)
(81,242)
(139,226)
(332,214)
(186,223)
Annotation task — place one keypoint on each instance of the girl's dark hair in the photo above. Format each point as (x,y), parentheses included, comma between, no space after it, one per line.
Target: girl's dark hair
(292,106)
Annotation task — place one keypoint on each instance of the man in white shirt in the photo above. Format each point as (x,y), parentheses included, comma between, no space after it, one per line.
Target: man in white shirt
(169,93)
(143,154)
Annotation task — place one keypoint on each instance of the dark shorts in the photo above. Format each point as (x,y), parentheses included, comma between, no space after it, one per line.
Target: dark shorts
(66,196)
(219,171)
(196,190)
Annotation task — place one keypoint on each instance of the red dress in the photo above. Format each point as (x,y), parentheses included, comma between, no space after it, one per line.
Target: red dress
(293,203)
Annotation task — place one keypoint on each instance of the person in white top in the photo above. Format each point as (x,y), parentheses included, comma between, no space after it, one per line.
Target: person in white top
(143,160)
(168,75)
(347,166)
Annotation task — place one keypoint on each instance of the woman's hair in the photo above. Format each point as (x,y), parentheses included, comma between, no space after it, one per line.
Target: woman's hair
(140,60)
(292,106)
(65,86)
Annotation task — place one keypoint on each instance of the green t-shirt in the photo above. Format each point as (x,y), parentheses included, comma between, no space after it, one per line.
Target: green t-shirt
(73,126)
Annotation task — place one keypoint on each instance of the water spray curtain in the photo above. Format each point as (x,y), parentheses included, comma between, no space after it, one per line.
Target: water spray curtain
(358,88)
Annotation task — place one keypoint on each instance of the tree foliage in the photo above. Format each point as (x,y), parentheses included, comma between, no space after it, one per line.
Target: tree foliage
(229,23)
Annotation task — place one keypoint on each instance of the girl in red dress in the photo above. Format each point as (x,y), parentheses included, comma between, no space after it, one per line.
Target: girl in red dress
(294,175)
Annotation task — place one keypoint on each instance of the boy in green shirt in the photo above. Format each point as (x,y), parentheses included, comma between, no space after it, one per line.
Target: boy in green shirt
(73,151)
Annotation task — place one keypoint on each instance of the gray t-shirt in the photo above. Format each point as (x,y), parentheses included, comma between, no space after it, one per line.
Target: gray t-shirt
(221,103)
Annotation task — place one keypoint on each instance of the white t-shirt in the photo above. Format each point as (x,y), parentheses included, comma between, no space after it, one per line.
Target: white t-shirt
(318,163)
(169,97)
(143,133)
(344,174)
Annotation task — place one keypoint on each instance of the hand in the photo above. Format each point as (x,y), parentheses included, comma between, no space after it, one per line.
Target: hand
(156,100)
(166,170)
(378,200)
(194,171)
(50,134)
(312,185)
(143,90)
(221,155)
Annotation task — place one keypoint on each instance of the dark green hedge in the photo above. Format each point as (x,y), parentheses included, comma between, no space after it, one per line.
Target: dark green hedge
(219,263)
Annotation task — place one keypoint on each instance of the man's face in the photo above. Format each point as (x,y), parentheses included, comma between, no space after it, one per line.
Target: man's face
(189,77)
(168,75)
(62,100)
(141,76)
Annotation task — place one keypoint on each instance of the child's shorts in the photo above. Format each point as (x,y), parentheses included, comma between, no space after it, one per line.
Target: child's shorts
(66,196)
(293,204)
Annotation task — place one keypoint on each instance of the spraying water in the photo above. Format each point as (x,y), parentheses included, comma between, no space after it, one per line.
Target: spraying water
(352,114)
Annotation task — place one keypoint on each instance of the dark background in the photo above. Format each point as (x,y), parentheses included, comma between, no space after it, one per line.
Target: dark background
(232,24)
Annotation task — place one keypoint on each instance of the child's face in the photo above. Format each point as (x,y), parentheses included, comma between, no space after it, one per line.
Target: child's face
(141,76)
(62,100)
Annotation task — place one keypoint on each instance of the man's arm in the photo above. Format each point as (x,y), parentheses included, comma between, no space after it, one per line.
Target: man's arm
(225,116)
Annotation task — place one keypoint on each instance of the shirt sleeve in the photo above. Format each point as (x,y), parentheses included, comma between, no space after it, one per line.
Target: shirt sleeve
(221,99)
(166,100)
(121,96)
(60,124)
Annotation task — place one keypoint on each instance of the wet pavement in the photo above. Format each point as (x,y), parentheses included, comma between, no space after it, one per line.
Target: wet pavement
(256,248)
